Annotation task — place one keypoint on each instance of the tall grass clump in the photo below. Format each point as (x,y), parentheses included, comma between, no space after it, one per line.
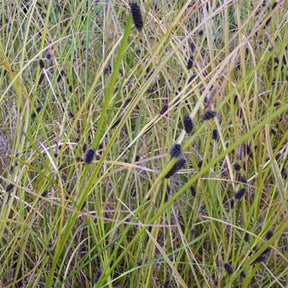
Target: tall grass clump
(143,143)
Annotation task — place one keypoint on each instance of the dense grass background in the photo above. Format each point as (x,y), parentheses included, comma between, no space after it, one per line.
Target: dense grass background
(102,84)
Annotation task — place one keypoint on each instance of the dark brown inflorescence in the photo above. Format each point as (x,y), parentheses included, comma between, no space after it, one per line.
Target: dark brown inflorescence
(137,15)
(209,115)
(9,187)
(177,166)
(228,268)
(269,234)
(176,150)
(193,191)
(89,156)
(215,134)
(240,193)
(188,123)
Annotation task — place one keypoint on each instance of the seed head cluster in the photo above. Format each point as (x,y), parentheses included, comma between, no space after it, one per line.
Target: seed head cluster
(240,193)
(209,115)
(9,187)
(188,123)
(215,134)
(177,166)
(89,156)
(136,15)
(228,268)
(176,150)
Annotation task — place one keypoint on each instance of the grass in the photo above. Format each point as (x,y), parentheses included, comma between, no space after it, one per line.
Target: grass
(118,221)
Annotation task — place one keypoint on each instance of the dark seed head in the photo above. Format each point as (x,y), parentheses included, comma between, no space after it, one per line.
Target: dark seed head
(236,166)
(194,75)
(62,73)
(48,56)
(44,193)
(188,123)
(126,102)
(192,47)
(41,78)
(176,150)
(107,69)
(41,63)
(193,231)
(246,237)
(240,193)
(276,60)
(209,115)
(277,103)
(242,179)
(268,21)
(89,156)
(193,191)
(269,234)
(177,166)
(136,15)
(284,173)
(9,187)
(190,62)
(200,164)
(38,109)
(274,5)
(266,251)
(164,109)
(166,284)
(284,60)
(84,147)
(277,157)
(215,134)
(243,275)
(261,258)
(116,123)
(228,268)
(97,276)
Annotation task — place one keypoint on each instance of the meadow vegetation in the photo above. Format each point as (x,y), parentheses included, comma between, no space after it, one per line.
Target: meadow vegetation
(146,150)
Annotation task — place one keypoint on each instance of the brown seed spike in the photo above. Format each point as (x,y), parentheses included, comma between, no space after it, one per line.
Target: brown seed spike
(240,193)
(269,234)
(209,115)
(9,187)
(178,165)
(62,73)
(190,62)
(41,63)
(246,237)
(41,78)
(193,191)
(261,258)
(228,268)
(188,123)
(44,193)
(89,156)
(136,15)
(237,166)
(97,276)
(215,134)
(176,150)
(164,109)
